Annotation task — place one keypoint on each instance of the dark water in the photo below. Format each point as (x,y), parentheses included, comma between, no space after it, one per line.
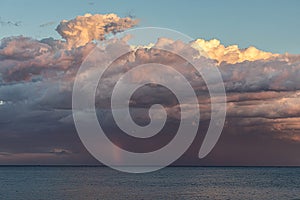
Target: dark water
(170,183)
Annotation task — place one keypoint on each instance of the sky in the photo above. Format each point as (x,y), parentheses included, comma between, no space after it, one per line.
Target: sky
(269,25)
(40,56)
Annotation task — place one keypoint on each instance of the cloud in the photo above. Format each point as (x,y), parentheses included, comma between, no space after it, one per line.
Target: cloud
(60,151)
(22,58)
(230,54)
(22,48)
(84,29)
(37,76)
(47,24)
(10,23)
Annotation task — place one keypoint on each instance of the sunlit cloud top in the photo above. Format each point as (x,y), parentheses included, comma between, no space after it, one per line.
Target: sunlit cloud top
(84,29)
(230,54)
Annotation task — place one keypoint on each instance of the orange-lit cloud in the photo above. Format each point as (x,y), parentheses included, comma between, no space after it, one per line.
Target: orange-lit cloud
(230,54)
(84,29)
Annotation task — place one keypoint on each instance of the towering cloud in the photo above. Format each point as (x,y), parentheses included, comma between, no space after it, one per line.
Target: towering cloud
(36,79)
(83,29)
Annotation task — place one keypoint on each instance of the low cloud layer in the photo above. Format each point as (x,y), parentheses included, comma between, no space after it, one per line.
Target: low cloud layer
(37,76)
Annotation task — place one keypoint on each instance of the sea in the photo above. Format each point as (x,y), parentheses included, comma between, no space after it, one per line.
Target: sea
(94,182)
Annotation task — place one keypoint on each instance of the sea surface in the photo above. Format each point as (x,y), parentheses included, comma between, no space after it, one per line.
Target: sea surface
(89,183)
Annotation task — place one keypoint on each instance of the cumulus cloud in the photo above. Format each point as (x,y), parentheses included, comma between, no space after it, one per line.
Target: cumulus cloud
(22,48)
(230,54)
(84,29)
(22,58)
(37,76)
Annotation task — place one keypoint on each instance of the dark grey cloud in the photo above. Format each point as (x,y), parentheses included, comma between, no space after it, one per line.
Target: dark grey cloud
(37,76)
